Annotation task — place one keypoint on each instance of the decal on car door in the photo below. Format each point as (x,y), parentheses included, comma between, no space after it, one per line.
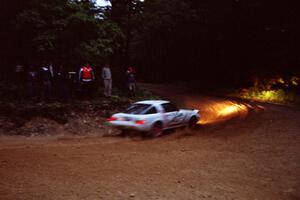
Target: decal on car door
(175,118)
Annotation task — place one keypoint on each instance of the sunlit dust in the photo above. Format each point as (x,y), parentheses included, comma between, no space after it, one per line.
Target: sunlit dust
(231,109)
(222,111)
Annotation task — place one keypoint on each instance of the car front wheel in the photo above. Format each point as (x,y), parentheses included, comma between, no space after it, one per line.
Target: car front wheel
(193,122)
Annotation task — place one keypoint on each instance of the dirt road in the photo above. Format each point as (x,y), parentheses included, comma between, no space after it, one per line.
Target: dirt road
(242,151)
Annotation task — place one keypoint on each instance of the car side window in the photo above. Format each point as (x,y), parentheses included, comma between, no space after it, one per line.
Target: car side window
(152,110)
(168,107)
(137,109)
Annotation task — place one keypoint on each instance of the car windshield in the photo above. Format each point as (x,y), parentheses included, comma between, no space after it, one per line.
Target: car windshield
(137,109)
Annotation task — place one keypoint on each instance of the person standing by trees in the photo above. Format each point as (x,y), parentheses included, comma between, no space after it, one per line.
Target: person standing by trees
(72,83)
(107,79)
(32,82)
(131,81)
(87,78)
(61,83)
(46,79)
(51,69)
(19,78)
(19,74)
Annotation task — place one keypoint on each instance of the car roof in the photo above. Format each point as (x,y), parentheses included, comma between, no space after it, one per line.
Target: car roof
(152,102)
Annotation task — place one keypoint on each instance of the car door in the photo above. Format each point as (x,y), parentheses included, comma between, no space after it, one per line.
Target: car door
(152,115)
(172,116)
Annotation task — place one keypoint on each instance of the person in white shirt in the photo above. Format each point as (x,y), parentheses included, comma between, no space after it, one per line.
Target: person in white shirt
(19,75)
(107,79)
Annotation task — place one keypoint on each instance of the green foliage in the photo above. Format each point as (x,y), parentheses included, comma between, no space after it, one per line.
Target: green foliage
(145,95)
(60,31)
(211,40)
(279,96)
(105,45)
(276,90)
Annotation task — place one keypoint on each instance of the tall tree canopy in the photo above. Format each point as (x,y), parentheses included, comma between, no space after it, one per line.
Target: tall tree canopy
(60,31)
(201,40)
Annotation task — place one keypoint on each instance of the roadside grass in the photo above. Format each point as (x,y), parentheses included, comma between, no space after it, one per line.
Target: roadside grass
(143,94)
(268,91)
(276,96)
(17,109)
(270,96)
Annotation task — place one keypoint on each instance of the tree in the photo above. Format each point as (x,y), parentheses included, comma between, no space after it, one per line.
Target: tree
(61,31)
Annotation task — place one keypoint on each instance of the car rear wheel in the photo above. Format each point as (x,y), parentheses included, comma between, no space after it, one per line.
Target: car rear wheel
(156,130)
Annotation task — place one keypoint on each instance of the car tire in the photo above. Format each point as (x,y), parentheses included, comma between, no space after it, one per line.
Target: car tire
(192,122)
(156,130)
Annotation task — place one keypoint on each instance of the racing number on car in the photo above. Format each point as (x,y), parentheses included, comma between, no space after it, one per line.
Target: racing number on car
(172,113)
(178,117)
(174,118)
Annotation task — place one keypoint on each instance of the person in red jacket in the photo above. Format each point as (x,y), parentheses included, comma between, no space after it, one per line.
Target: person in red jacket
(86,79)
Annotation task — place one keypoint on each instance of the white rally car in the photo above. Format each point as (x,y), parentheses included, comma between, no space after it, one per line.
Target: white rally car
(153,116)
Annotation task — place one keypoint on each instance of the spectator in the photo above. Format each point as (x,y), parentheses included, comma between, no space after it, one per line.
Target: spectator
(46,80)
(19,73)
(51,70)
(107,79)
(32,82)
(87,78)
(72,83)
(61,83)
(131,81)
(20,76)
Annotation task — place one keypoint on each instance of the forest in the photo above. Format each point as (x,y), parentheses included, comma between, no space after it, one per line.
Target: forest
(204,42)
(149,99)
